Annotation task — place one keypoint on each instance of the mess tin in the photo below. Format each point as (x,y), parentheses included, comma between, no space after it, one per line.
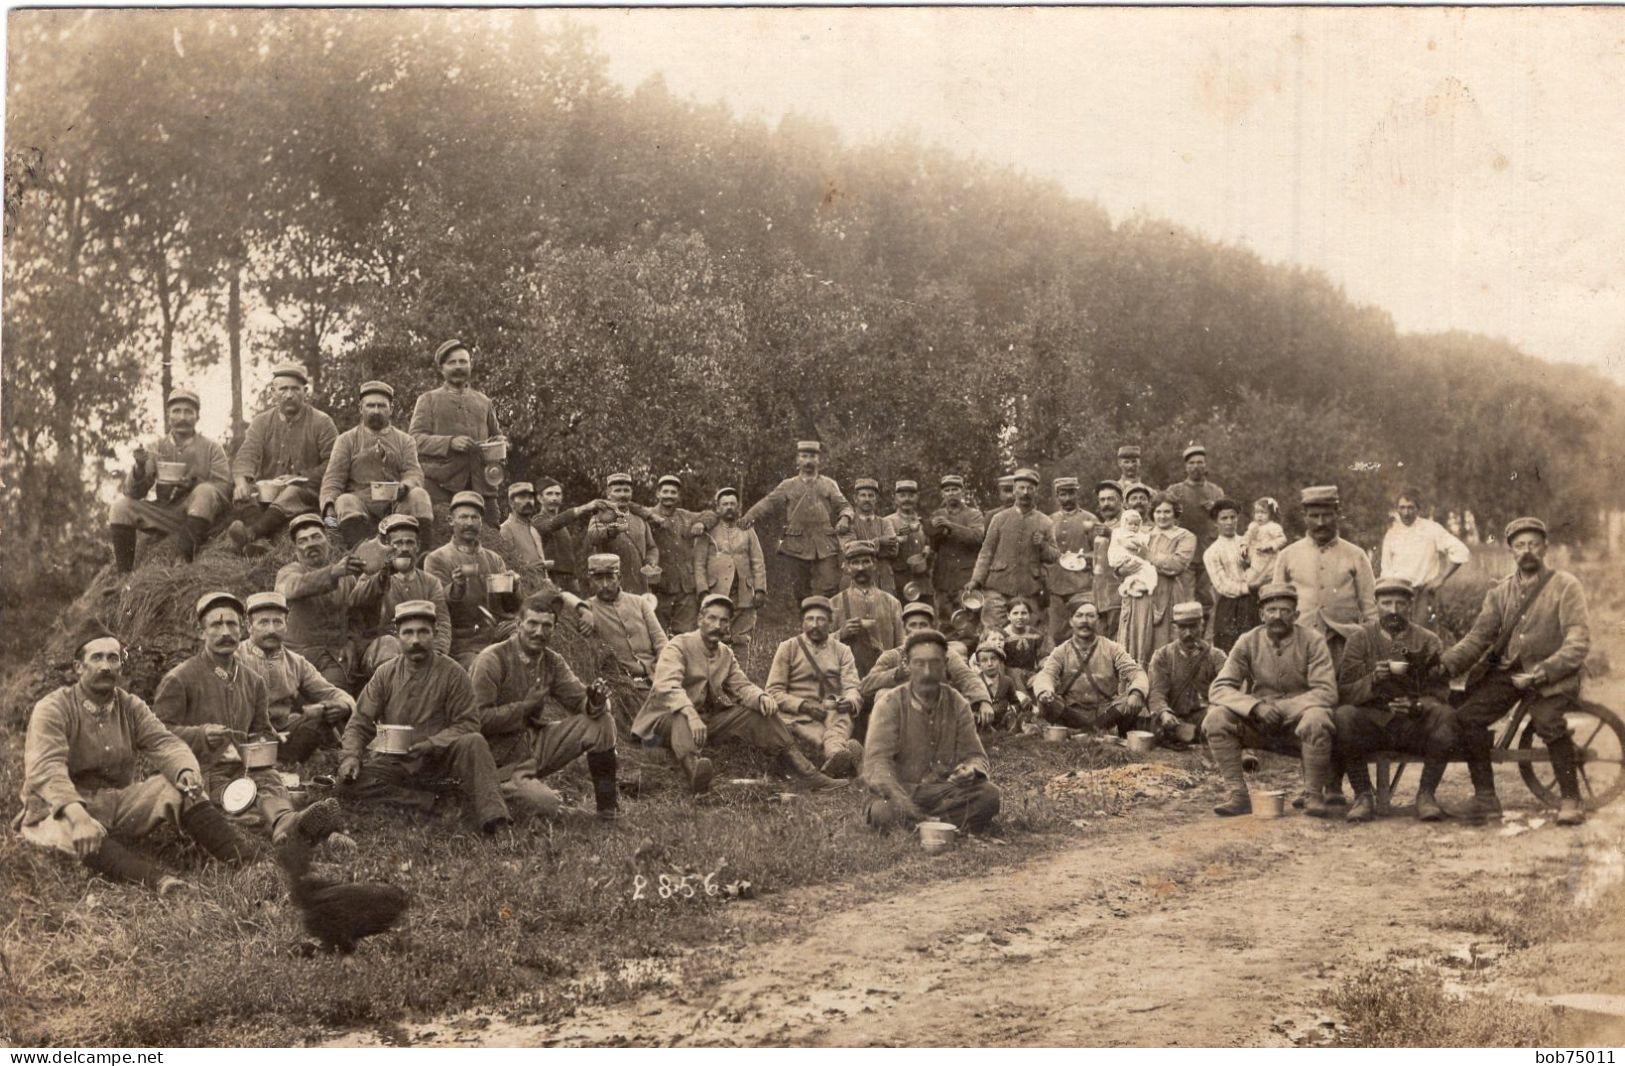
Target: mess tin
(395,739)
(385,491)
(494,450)
(651,572)
(171,473)
(268,490)
(937,836)
(239,795)
(1055,733)
(970,600)
(258,754)
(499,583)
(1268,802)
(1141,742)
(1398,667)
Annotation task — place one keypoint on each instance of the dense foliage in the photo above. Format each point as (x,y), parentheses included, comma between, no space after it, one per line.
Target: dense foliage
(655,285)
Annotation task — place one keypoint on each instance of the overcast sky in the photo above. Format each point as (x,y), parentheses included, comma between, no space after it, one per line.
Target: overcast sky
(1460,168)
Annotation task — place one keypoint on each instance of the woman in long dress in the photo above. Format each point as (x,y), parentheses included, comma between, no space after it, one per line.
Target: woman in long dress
(1148,623)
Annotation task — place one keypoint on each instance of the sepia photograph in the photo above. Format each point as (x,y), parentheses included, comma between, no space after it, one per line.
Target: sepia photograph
(788,527)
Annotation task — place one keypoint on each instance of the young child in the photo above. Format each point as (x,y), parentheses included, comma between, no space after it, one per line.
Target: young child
(1008,697)
(1128,548)
(1025,645)
(1263,540)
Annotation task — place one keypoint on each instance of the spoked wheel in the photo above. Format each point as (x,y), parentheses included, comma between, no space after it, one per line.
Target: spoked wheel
(1599,742)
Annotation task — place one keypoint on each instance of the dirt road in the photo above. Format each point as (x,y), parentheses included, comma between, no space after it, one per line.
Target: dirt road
(1176,928)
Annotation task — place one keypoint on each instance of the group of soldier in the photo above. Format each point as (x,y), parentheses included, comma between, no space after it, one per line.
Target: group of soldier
(913,637)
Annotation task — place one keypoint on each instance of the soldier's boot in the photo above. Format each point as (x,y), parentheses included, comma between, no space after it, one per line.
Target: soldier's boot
(315,823)
(1485,803)
(191,536)
(123,547)
(116,862)
(353,531)
(1238,802)
(1427,807)
(208,828)
(1571,810)
(699,772)
(602,766)
(1363,810)
(1315,772)
(844,762)
(805,774)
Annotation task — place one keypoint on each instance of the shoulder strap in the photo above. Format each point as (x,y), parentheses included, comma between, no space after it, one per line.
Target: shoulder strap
(1497,652)
(812,664)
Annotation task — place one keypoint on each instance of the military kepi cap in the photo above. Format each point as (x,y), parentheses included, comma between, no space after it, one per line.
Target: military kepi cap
(521,488)
(1129,451)
(818,603)
(1527,524)
(726,490)
(920,607)
(866,483)
(1318,494)
(855,549)
(951,481)
(1392,585)
(1188,612)
(809,446)
(618,478)
(603,563)
(184,396)
(446,349)
(210,600)
(669,479)
(260,601)
(382,388)
(291,370)
(414,609)
(298,522)
(906,485)
(1194,449)
(717,599)
(1108,483)
(468,499)
(392,522)
(1025,473)
(1064,483)
(1277,590)
(1010,479)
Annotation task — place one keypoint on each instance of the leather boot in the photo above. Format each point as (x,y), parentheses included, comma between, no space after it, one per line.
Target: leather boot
(1314,787)
(116,862)
(806,775)
(699,772)
(196,534)
(207,826)
(353,531)
(602,766)
(123,547)
(1571,811)
(268,523)
(845,762)
(1563,765)
(315,823)
(1485,803)
(1238,803)
(1364,809)
(1427,807)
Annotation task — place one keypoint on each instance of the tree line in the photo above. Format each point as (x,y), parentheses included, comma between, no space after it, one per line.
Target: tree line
(661,286)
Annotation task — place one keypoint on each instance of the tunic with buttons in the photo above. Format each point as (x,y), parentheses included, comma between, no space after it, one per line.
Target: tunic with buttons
(812,506)
(447,412)
(875,529)
(1092,676)
(911,541)
(505,678)
(361,457)
(277,446)
(290,682)
(874,605)
(1334,583)
(1180,679)
(1074,532)
(318,606)
(197,693)
(1008,562)
(629,628)
(435,698)
(910,741)
(830,672)
(75,748)
(377,596)
(688,675)
(1299,669)
(956,550)
(466,600)
(205,461)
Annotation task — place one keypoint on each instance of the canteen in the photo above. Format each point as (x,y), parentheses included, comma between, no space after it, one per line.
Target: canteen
(1141,742)
(937,836)
(394,739)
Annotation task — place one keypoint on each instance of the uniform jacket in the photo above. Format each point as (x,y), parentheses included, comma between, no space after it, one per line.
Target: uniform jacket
(877,605)
(677,548)
(205,464)
(1258,669)
(1008,562)
(910,742)
(375,597)
(957,549)
(629,628)
(811,508)
(444,413)
(436,699)
(793,675)
(635,546)
(274,446)
(729,560)
(1108,672)
(890,671)
(1357,674)
(505,679)
(1074,531)
(687,676)
(194,695)
(361,457)
(290,682)
(1180,679)
(911,541)
(318,605)
(1336,589)
(1554,634)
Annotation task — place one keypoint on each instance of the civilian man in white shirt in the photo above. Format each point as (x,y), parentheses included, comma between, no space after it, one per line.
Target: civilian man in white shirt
(1422,552)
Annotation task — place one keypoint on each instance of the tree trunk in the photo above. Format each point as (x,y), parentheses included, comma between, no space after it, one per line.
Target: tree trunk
(234,329)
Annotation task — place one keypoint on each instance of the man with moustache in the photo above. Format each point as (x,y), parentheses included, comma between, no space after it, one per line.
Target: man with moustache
(448,424)
(428,691)
(1381,710)
(816,515)
(1007,496)
(479,617)
(700,694)
(869,620)
(623,530)
(676,533)
(1333,577)
(872,528)
(1529,643)
(375,596)
(373,453)
(81,793)
(729,560)
(624,622)
(317,590)
(891,669)
(924,759)
(518,683)
(1020,540)
(1128,467)
(1074,534)
(955,531)
(1181,673)
(1196,496)
(1105,579)
(303,705)
(911,564)
(1090,681)
(1277,689)
(814,680)
(186,509)
(538,531)
(212,702)
(289,443)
